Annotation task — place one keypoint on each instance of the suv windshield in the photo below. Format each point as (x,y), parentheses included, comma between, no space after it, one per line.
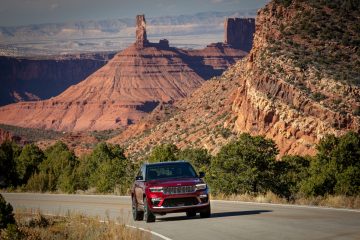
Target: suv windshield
(177,170)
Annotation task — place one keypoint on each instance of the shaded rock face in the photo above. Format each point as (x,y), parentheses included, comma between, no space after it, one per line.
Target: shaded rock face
(35,79)
(239,33)
(141,38)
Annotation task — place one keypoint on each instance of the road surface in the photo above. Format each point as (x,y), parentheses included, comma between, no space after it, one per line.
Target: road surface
(230,220)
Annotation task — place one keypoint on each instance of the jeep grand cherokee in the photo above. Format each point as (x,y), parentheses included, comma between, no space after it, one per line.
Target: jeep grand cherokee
(169,187)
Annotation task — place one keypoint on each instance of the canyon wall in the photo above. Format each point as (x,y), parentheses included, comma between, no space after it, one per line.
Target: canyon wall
(24,79)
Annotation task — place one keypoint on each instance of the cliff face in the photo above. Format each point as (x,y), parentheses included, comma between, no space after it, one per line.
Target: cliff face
(239,33)
(289,95)
(282,89)
(35,79)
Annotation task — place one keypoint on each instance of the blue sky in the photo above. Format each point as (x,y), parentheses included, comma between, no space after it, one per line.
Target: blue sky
(24,12)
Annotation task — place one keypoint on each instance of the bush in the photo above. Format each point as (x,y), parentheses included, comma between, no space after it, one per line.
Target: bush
(106,168)
(9,151)
(198,157)
(317,96)
(6,213)
(164,153)
(56,171)
(28,161)
(289,172)
(336,168)
(244,166)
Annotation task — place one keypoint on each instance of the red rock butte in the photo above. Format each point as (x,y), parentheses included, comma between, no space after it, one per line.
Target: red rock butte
(128,87)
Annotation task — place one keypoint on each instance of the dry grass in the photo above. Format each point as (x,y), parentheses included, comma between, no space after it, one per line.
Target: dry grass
(269,197)
(331,201)
(76,227)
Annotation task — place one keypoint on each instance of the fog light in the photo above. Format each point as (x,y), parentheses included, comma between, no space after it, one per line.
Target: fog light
(155,201)
(203,196)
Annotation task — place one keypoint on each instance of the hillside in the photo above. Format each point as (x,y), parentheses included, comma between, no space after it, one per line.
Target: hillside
(299,83)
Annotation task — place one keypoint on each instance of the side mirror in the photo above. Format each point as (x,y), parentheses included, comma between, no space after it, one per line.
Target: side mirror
(139,178)
(201,174)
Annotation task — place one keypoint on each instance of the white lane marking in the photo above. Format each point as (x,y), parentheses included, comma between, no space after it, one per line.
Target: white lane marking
(142,229)
(289,205)
(152,232)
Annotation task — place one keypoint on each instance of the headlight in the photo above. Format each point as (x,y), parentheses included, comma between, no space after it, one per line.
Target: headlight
(156,189)
(200,186)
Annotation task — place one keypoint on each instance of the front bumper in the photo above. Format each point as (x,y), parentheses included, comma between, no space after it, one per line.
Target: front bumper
(196,201)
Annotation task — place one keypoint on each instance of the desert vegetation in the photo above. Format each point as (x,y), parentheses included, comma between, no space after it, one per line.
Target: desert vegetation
(29,225)
(32,134)
(57,168)
(244,167)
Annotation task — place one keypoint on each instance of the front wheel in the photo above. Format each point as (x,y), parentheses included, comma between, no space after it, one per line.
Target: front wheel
(137,215)
(148,215)
(206,213)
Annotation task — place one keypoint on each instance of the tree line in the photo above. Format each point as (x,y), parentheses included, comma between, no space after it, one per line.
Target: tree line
(247,165)
(58,169)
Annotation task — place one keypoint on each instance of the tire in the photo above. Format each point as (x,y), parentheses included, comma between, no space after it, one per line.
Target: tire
(206,213)
(191,214)
(148,215)
(137,215)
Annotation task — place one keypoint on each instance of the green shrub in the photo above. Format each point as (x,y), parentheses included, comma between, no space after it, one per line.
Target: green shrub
(317,96)
(6,213)
(244,166)
(198,157)
(28,161)
(106,168)
(11,232)
(289,172)
(336,168)
(9,151)
(56,171)
(163,153)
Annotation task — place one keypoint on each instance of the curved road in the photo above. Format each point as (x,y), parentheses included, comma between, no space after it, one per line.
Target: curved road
(230,220)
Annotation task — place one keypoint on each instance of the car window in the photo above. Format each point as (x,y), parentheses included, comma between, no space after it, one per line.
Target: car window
(183,170)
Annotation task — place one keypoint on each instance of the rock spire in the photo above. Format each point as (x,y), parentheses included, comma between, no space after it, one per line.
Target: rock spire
(141,38)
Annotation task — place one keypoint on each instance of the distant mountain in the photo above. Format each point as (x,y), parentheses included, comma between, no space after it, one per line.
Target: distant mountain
(300,81)
(113,34)
(127,88)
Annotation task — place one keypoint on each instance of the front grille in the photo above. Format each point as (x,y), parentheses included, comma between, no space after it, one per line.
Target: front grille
(179,190)
(180,202)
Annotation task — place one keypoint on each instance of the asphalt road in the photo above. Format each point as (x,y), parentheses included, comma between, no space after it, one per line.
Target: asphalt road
(230,220)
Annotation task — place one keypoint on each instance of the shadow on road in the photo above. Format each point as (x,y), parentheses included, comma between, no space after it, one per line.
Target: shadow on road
(216,215)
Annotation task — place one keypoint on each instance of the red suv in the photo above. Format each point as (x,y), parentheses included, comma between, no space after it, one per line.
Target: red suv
(169,187)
